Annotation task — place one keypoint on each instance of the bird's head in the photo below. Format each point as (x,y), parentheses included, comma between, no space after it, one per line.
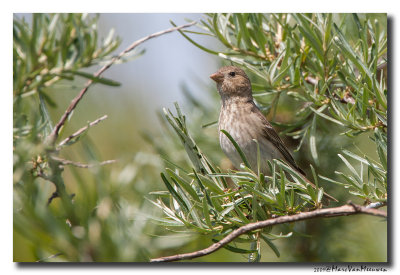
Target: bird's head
(232,82)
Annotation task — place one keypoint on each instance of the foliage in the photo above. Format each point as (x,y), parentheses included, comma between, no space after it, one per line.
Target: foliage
(56,47)
(328,74)
(70,215)
(100,213)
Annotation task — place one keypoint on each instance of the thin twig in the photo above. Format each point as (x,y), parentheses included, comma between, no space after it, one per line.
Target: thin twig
(52,197)
(81,165)
(80,131)
(42,175)
(344,210)
(54,134)
(56,195)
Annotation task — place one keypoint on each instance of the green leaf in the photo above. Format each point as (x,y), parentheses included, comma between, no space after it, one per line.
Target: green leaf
(209,124)
(280,236)
(271,245)
(194,43)
(361,159)
(216,30)
(382,157)
(320,194)
(96,79)
(236,249)
(210,184)
(274,67)
(365,104)
(311,192)
(45,116)
(314,176)
(319,112)
(349,53)
(242,155)
(350,181)
(192,210)
(241,17)
(174,193)
(310,35)
(240,214)
(267,198)
(283,70)
(282,190)
(184,184)
(36,28)
(202,187)
(190,146)
(331,180)
(351,168)
(328,28)
(258,157)
(313,143)
(206,212)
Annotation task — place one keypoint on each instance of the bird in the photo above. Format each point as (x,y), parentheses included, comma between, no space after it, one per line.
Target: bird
(243,120)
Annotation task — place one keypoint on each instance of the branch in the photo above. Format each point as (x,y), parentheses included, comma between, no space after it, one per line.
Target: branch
(52,197)
(80,131)
(376,204)
(344,210)
(81,165)
(54,134)
(56,195)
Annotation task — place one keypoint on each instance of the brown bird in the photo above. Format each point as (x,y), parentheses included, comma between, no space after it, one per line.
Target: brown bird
(242,119)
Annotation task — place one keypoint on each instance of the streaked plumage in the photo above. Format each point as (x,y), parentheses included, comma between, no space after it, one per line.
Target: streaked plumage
(241,118)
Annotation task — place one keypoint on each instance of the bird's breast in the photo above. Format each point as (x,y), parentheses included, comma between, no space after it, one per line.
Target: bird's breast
(237,122)
(244,126)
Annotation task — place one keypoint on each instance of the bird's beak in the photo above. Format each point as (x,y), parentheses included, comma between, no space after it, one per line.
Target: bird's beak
(217,77)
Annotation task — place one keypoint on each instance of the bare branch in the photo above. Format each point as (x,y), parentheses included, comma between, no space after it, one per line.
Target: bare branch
(376,204)
(56,195)
(52,197)
(80,131)
(54,134)
(81,165)
(344,210)
(42,175)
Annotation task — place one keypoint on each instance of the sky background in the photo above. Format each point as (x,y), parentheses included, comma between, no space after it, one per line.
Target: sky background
(170,60)
(148,84)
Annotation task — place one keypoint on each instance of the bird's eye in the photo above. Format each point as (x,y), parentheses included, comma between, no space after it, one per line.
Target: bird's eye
(232,73)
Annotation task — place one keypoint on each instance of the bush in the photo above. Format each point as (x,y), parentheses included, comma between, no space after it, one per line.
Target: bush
(320,78)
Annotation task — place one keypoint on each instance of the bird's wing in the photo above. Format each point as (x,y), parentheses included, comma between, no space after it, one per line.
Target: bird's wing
(270,134)
(274,138)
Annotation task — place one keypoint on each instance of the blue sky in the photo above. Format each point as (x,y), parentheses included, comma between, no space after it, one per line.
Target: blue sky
(169,60)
